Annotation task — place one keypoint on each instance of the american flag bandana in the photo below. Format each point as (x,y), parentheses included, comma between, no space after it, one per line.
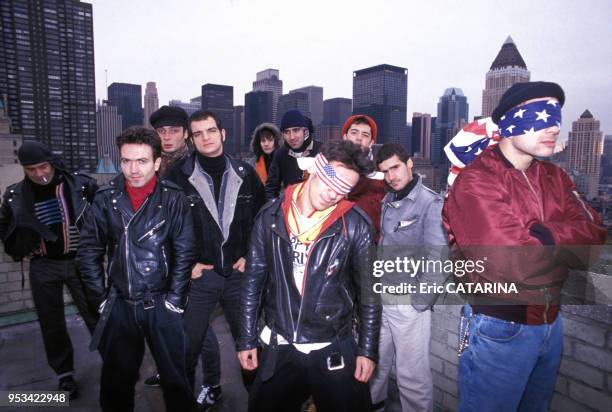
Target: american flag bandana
(328,176)
(475,137)
(531,117)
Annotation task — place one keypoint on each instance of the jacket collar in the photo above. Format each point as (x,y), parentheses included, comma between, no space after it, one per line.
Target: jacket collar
(412,195)
(341,209)
(189,164)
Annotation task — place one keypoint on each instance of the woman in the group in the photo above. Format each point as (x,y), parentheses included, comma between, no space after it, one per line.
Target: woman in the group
(265,141)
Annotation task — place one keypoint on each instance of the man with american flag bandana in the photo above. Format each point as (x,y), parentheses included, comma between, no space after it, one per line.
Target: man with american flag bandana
(307,254)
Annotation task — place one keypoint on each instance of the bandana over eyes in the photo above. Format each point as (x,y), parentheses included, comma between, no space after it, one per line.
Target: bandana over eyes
(328,176)
(529,118)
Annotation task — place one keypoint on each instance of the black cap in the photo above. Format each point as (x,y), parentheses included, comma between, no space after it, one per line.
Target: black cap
(293,118)
(31,153)
(521,92)
(168,116)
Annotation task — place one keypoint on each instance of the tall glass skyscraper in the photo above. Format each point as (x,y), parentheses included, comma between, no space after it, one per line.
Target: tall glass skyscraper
(382,93)
(47,73)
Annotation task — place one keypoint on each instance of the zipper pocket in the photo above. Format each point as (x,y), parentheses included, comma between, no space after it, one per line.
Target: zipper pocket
(150,232)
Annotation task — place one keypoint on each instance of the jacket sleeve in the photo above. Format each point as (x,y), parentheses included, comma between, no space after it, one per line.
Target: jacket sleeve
(579,227)
(6,218)
(252,288)
(369,308)
(184,251)
(273,184)
(92,247)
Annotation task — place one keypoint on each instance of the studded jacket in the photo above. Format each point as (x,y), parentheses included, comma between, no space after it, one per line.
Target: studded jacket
(20,230)
(149,252)
(336,276)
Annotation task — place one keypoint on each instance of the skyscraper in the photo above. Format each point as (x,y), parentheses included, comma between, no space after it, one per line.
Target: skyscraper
(127,98)
(453,114)
(268,81)
(108,126)
(193,105)
(9,142)
(315,102)
(606,161)
(336,110)
(47,73)
(381,92)
(151,102)
(219,99)
(297,100)
(507,69)
(585,147)
(421,135)
(239,129)
(258,108)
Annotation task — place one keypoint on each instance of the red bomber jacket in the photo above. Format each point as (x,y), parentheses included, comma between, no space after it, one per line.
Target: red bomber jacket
(528,227)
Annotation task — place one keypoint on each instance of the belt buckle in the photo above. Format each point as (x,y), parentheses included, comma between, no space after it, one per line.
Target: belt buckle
(148,304)
(335,361)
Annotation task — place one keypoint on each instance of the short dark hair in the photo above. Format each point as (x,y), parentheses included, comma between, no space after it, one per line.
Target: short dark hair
(349,154)
(203,115)
(360,120)
(141,135)
(388,150)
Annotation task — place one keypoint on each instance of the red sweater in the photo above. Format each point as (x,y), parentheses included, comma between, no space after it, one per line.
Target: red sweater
(138,195)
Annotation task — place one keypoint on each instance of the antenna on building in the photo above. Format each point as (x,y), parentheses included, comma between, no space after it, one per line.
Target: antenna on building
(106,81)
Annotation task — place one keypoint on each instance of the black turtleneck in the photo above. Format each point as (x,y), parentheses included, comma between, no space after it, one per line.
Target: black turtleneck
(214,167)
(401,194)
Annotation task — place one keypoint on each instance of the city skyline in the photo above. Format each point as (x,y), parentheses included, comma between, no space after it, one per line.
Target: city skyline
(443,45)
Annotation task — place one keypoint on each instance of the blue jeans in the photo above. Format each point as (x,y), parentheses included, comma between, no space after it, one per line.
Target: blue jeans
(508,366)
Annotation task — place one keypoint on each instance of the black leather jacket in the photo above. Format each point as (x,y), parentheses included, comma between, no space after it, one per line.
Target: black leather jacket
(333,286)
(243,198)
(20,230)
(149,252)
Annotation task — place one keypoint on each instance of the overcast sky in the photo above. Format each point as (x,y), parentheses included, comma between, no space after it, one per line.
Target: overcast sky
(184,44)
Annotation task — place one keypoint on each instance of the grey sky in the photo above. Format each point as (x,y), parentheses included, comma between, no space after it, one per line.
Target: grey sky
(185,44)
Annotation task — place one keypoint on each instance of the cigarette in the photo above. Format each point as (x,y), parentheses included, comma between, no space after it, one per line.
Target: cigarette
(45,179)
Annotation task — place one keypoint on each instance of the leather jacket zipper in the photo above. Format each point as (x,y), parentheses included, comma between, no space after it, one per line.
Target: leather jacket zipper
(76,221)
(536,196)
(153,229)
(127,245)
(165,259)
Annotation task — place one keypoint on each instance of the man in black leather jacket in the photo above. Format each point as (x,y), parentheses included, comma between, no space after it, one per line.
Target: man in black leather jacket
(308,258)
(40,219)
(145,228)
(225,195)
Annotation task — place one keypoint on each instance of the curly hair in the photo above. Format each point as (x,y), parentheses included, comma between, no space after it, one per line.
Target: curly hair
(350,154)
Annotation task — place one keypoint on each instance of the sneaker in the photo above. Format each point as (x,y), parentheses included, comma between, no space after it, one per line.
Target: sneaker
(68,384)
(209,395)
(153,381)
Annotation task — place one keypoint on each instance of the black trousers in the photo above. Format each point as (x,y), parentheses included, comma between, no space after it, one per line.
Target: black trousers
(298,376)
(208,290)
(47,280)
(122,347)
